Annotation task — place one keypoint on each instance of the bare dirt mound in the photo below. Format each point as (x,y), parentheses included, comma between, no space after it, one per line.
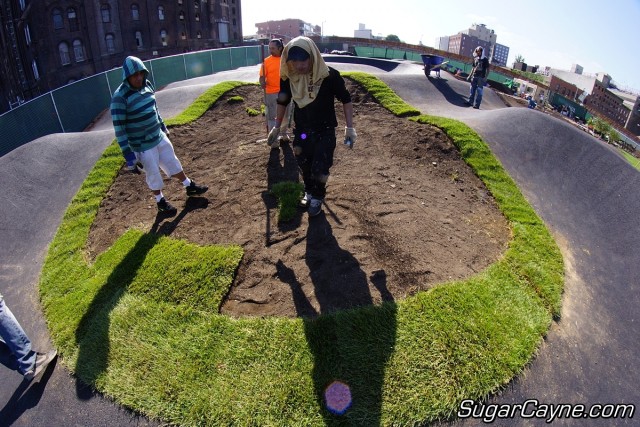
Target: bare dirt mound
(403,211)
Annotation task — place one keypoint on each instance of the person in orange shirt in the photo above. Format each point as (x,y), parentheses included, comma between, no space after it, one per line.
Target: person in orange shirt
(270,83)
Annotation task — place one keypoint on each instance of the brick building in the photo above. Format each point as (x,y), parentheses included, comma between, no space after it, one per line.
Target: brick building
(464,44)
(566,89)
(602,101)
(46,44)
(287,29)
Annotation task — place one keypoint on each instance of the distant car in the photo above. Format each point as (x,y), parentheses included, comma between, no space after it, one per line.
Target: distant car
(342,52)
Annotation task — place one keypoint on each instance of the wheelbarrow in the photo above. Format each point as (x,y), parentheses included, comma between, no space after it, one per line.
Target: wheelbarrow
(432,63)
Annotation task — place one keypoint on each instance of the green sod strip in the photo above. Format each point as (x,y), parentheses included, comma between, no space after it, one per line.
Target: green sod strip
(141,324)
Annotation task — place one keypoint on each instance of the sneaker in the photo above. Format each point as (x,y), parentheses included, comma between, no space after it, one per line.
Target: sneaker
(194,189)
(304,202)
(476,107)
(42,361)
(166,208)
(315,206)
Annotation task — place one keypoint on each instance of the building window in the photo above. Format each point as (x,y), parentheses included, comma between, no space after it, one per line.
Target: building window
(105,11)
(183,35)
(199,34)
(138,39)
(22,4)
(163,37)
(161,13)
(179,1)
(181,16)
(196,5)
(78,50)
(27,34)
(110,42)
(73,19)
(197,16)
(135,12)
(63,50)
(57,19)
(34,67)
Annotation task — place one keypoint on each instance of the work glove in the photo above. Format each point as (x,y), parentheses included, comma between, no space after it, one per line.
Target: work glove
(272,139)
(350,136)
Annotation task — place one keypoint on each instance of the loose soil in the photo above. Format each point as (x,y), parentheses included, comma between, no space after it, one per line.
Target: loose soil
(403,211)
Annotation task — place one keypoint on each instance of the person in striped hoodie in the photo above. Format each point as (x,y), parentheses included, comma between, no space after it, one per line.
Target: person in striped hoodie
(142,134)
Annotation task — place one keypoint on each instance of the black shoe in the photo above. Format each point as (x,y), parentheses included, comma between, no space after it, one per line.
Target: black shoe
(476,107)
(166,208)
(42,361)
(194,189)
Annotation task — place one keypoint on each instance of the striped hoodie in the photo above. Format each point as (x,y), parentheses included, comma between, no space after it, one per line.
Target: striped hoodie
(135,115)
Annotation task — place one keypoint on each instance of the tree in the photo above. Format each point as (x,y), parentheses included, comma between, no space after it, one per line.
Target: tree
(392,38)
(520,58)
(599,126)
(614,136)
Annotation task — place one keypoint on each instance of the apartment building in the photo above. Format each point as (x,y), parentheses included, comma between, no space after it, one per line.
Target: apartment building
(467,40)
(47,44)
(287,29)
(464,44)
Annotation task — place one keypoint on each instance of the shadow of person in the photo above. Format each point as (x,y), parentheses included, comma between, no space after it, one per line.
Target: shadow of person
(168,227)
(279,169)
(92,333)
(351,339)
(449,93)
(25,397)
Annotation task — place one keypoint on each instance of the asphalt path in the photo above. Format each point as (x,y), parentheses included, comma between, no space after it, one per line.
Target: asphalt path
(584,191)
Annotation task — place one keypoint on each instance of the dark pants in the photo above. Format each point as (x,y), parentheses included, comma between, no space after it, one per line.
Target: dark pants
(314,153)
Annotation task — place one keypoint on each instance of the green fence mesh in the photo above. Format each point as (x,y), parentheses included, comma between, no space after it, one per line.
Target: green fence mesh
(198,64)
(22,125)
(81,102)
(168,70)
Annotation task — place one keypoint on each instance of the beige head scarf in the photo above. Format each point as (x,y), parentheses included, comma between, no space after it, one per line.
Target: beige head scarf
(304,87)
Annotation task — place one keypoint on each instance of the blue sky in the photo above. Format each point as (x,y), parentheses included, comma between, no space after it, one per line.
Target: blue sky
(598,35)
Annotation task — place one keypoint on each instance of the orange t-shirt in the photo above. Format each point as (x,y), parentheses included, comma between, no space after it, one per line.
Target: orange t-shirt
(272,71)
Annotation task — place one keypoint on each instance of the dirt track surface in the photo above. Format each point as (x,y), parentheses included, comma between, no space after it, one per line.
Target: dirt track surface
(403,211)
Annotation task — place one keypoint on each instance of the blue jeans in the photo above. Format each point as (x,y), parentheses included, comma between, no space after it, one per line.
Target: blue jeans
(15,346)
(476,91)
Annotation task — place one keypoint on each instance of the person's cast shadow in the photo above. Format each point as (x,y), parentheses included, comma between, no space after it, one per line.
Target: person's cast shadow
(92,332)
(350,338)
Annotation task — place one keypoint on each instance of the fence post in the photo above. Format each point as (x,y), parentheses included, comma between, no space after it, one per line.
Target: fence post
(53,101)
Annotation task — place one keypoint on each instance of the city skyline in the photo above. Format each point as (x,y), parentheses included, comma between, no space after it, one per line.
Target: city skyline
(545,33)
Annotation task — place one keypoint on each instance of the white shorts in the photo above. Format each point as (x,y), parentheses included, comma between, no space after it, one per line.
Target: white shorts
(162,156)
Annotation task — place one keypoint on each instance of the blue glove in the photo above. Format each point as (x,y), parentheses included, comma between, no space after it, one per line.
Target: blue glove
(130,157)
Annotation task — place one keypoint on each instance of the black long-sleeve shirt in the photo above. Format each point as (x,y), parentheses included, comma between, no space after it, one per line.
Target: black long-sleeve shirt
(321,112)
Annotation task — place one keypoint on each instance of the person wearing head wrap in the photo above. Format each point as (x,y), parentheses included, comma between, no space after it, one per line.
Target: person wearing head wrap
(313,86)
(478,77)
